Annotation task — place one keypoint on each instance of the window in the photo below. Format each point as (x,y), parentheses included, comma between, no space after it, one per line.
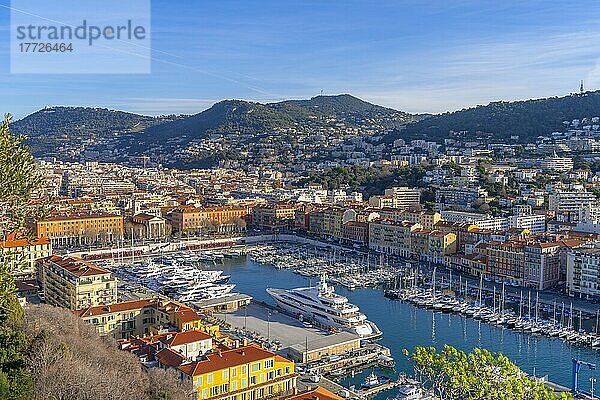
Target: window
(244,369)
(225,374)
(253,380)
(234,371)
(199,380)
(255,367)
(268,364)
(204,393)
(209,378)
(225,388)
(214,391)
(271,375)
(244,382)
(233,386)
(287,370)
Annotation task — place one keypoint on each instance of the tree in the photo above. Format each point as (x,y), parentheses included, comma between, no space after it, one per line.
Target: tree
(19,179)
(455,375)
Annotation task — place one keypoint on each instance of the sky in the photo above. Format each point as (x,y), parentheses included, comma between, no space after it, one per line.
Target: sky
(416,56)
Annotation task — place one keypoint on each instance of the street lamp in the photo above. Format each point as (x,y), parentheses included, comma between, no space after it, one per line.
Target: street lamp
(592,381)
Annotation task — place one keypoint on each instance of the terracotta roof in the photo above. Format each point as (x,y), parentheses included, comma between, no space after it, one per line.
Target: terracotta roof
(66,216)
(319,393)
(76,266)
(179,338)
(171,358)
(116,307)
(226,359)
(13,240)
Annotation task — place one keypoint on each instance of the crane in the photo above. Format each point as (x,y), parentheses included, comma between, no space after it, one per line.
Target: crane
(577,364)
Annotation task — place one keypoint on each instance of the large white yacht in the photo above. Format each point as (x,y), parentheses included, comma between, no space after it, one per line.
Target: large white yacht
(325,307)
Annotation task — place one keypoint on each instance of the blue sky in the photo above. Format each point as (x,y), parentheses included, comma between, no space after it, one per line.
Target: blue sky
(418,56)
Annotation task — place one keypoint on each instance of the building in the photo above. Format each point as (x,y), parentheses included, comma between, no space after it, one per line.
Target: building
(243,373)
(356,232)
(391,237)
(530,264)
(22,253)
(460,197)
(424,218)
(148,226)
(583,272)
(187,219)
(142,317)
(318,393)
(276,216)
(571,203)
(74,283)
(330,345)
(81,228)
(397,197)
(556,163)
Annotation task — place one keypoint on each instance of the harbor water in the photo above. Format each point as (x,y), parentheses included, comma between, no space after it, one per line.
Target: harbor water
(405,326)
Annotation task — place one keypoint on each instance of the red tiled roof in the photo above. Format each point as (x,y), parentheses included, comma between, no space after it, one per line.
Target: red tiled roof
(170,358)
(76,266)
(13,240)
(179,338)
(116,307)
(226,359)
(319,393)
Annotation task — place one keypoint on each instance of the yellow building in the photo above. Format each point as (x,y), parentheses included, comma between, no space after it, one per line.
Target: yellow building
(274,216)
(142,317)
(81,227)
(391,237)
(191,219)
(244,373)
(74,284)
(22,253)
(424,218)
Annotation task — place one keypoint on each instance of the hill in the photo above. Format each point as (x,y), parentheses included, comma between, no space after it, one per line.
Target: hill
(229,130)
(67,131)
(501,120)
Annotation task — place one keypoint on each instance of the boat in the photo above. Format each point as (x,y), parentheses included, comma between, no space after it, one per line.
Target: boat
(373,380)
(322,305)
(410,392)
(386,361)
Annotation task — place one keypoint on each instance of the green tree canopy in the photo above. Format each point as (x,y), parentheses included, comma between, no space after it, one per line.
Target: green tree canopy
(481,374)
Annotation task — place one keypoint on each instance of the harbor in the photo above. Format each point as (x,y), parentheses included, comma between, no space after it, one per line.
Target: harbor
(418,310)
(404,326)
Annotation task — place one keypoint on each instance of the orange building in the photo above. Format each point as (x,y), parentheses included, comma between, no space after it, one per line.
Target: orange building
(190,218)
(81,227)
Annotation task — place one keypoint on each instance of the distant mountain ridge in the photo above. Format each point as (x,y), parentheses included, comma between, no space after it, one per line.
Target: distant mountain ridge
(500,120)
(71,131)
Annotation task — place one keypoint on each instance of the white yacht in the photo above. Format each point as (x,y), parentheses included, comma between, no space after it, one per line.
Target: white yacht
(324,306)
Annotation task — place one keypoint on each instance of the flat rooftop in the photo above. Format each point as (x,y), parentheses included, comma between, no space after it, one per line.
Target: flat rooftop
(287,330)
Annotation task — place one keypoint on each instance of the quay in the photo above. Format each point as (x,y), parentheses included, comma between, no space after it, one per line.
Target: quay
(312,348)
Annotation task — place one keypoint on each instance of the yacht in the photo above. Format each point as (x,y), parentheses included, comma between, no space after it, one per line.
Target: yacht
(326,307)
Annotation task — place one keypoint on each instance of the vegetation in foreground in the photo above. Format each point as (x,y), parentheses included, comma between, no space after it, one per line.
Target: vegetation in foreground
(454,375)
(46,352)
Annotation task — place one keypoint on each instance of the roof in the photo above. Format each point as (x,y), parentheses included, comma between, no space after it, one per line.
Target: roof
(76,266)
(179,338)
(116,307)
(170,358)
(13,241)
(226,359)
(319,393)
(66,216)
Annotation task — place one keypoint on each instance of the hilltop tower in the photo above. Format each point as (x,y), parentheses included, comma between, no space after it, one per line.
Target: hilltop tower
(581,87)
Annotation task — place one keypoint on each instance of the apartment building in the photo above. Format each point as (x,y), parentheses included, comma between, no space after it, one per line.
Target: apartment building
(397,197)
(191,219)
(556,163)
(21,253)
(81,228)
(356,232)
(461,197)
(243,373)
(424,218)
(531,264)
(391,237)
(275,216)
(571,203)
(142,317)
(74,283)
(583,272)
